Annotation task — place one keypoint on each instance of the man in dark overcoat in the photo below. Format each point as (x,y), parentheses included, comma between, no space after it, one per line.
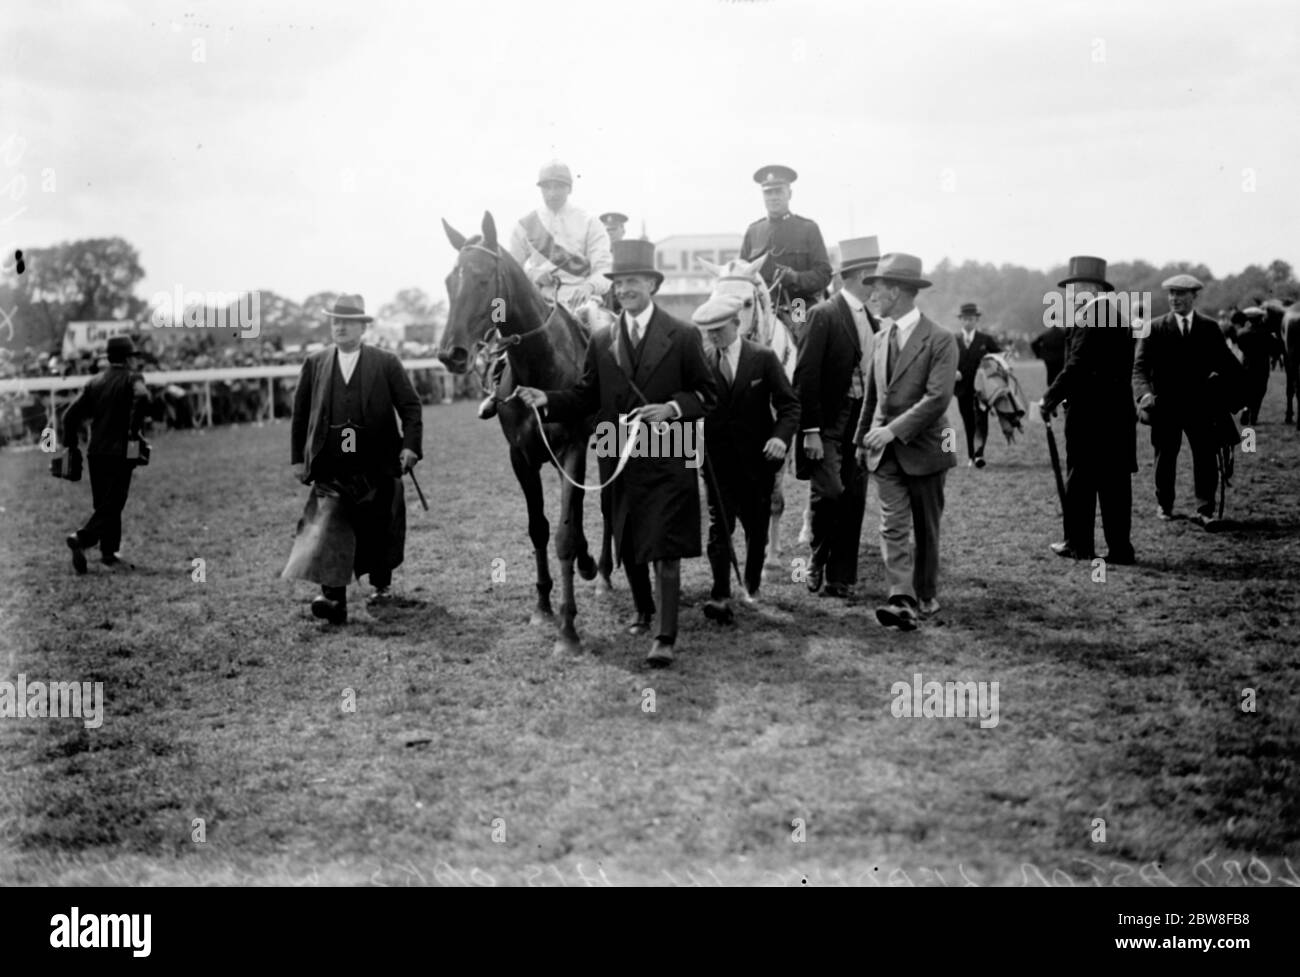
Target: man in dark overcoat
(972,346)
(649,367)
(746,438)
(1100,419)
(830,378)
(1176,378)
(345,443)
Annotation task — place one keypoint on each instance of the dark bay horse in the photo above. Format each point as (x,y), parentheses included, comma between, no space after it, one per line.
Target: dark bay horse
(493,307)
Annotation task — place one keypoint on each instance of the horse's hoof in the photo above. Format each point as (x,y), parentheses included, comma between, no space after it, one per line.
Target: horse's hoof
(604,586)
(586,567)
(567,646)
(541,617)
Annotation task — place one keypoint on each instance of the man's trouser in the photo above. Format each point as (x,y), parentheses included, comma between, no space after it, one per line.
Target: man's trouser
(975,420)
(1167,439)
(909,504)
(667,591)
(110,482)
(752,503)
(838,490)
(371,522)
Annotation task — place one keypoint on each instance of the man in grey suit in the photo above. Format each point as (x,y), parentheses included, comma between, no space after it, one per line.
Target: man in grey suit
(901,437)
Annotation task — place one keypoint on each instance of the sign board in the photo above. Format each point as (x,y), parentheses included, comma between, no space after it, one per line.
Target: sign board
(678,257)
(92,337)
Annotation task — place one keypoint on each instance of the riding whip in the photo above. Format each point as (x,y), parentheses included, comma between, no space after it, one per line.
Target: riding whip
(1056,465)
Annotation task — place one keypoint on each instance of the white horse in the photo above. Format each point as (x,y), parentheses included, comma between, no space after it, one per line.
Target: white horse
(759,323)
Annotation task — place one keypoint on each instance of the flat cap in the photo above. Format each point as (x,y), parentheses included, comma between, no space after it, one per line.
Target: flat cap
(719,310)
(1183,282)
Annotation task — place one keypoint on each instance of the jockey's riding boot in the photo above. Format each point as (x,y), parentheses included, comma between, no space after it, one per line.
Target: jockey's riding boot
(488,409)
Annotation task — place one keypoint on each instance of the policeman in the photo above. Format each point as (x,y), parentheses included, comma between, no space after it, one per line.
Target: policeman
(797,262)
(114,402)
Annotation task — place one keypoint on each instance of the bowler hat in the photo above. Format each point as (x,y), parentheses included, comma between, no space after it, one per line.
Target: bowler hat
(969,308)
(634,258)
(774,175)
(859,252)
(120,347)
(904,269)
(555,172)
(1085,268)
(349,307)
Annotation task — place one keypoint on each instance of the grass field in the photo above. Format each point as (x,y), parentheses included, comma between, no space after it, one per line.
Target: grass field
(772,755)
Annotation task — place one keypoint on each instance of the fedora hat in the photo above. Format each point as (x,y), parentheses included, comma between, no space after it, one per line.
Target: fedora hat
(634,258)
(905,269)
(349,307)
(970,308)
(774,175)
(859,252)
(1085,268)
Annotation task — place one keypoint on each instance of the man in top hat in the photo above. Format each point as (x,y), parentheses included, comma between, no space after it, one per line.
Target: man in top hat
(1181,371)
(115,403)
(901,438)
(746,437)
(564,252)
(830,378)
(972,346)
(652,367)
(796,255)
(1100,421)
(345,443)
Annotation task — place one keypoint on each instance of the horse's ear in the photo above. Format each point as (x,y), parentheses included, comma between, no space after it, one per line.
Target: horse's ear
(751,266)
(489,230)
(456,238)
(710,267)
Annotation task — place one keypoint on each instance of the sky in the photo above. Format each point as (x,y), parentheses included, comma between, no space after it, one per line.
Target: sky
(304,147)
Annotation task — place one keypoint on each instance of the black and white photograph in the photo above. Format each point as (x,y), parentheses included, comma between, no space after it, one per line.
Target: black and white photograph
(725,443)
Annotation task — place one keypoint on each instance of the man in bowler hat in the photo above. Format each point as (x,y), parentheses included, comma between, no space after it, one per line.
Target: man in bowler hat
(972,346)
(345,443)
(1100,419)
(115,403)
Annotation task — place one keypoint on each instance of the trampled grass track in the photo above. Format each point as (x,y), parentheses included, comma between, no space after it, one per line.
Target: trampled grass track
(1118,700)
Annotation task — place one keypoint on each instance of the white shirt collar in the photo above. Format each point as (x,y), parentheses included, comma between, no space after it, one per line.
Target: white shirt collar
(642,320)
(347,362)
(853,301)
(968,336)
(906,323)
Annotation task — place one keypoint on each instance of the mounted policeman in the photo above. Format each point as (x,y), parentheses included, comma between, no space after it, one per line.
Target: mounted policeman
(565,254)
(797,267)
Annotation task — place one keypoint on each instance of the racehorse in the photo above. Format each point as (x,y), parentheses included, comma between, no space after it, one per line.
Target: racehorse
(759,323)
(1284,320)
(495,308)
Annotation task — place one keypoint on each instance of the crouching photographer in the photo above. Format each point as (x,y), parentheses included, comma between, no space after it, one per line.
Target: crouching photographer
(114,403)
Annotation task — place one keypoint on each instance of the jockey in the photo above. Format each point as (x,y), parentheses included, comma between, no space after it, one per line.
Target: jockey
(564,252)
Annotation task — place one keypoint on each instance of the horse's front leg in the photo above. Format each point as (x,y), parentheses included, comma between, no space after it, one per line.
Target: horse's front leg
(605,566)
(570,544)
(539,531)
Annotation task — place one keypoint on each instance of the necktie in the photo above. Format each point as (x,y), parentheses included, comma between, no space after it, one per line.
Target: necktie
(634,331)
(893,352)
(724,367)
(1182,325)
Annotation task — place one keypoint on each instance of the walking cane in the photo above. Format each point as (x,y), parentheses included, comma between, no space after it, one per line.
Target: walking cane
(418,491)
(731,550)
(1056,466)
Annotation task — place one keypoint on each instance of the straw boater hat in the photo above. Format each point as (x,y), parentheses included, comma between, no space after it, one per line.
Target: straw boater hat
(349,307)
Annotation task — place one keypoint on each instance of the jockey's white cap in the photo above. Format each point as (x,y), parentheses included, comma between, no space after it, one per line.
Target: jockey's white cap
(554,171)
(719,310)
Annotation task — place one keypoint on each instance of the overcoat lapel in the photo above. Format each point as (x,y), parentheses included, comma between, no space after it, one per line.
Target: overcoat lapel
(916,342)
(849,325)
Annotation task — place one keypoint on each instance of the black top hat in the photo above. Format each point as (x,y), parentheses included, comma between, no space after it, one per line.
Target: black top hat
(1085,268)
(634,258)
